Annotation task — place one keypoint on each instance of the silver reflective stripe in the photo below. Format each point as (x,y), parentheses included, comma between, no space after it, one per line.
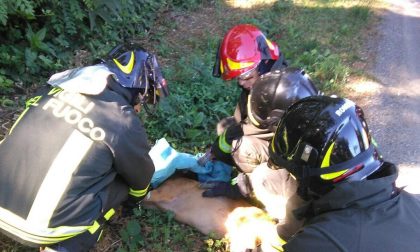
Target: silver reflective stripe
(19,227)
(58,178)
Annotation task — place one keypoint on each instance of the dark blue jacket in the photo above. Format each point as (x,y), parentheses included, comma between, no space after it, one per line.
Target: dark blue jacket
(363,216)
(60,158)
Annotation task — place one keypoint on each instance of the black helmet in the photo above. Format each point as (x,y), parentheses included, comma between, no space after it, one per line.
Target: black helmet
(135,68)
(275,91)
(323,140)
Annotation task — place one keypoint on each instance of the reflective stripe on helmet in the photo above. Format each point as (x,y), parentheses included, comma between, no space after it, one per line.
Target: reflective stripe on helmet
(233,65)
(250,114)
(127,68)
(326,163)
(270,45)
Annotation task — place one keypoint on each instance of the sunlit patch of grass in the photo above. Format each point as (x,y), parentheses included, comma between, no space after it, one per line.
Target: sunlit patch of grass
(247,4)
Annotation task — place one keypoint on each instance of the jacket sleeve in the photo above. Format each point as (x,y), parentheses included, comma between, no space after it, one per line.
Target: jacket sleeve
(132,161)
(313,238)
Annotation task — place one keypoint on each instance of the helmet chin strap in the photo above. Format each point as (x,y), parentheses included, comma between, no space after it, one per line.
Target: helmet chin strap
(144,98)
(150,108)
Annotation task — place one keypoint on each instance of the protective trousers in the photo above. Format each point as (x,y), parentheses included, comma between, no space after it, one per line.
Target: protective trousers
(276,190)
(118,193)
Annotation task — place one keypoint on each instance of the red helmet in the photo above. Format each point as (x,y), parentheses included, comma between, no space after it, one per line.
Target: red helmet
(242,49)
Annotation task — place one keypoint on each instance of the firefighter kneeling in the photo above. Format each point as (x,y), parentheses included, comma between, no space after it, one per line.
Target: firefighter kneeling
(79,151)
(352,201)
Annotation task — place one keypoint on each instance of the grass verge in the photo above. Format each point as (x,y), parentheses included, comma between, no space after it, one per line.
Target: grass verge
(323,37)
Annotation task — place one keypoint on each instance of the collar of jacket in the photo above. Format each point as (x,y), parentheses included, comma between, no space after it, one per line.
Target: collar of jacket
(128,95)
(354,194)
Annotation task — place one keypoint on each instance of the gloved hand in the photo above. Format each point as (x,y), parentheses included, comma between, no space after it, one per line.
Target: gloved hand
(223,189)
(222,147)
(128,206)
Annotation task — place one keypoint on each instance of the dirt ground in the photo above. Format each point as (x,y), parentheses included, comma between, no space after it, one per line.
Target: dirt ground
(391,97)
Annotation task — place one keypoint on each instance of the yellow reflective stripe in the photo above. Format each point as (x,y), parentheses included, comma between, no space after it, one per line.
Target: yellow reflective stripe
(250,114)
(109,214)
(234,181)
(326,160)
(55,90)
(233,65)
(270,45)
(58,178)
(33,101)
(127,68)
(223,145)
(18,120)
(279,244)
(272,145)
(25,230)
(138,193)
(326,163)
(222,69)
(277,247)
(94,227)
(19,227)
(285,140)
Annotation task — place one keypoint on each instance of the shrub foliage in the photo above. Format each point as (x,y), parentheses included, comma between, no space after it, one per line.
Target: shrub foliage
(40,36)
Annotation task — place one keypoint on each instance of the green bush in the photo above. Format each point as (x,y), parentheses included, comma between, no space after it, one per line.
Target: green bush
(41,37)
(188,117)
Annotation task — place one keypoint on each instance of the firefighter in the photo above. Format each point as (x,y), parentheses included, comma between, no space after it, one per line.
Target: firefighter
(245,144)
(244,54)
(78,151)
(353,203)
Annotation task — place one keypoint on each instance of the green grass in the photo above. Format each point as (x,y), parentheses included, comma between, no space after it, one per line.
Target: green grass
(323,37)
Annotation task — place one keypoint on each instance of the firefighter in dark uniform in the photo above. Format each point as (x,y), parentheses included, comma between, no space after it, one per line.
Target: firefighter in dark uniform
(353,203)
(78,151)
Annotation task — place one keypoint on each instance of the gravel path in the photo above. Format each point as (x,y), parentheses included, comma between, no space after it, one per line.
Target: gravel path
(392,104)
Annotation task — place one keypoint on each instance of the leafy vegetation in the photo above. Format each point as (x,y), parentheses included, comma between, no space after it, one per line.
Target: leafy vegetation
(41,37)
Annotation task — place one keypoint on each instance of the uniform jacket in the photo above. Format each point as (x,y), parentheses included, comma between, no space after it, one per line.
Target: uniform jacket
(61,156)
(370,215)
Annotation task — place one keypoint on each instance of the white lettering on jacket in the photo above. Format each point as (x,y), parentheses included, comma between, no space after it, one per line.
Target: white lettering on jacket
(73,107)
